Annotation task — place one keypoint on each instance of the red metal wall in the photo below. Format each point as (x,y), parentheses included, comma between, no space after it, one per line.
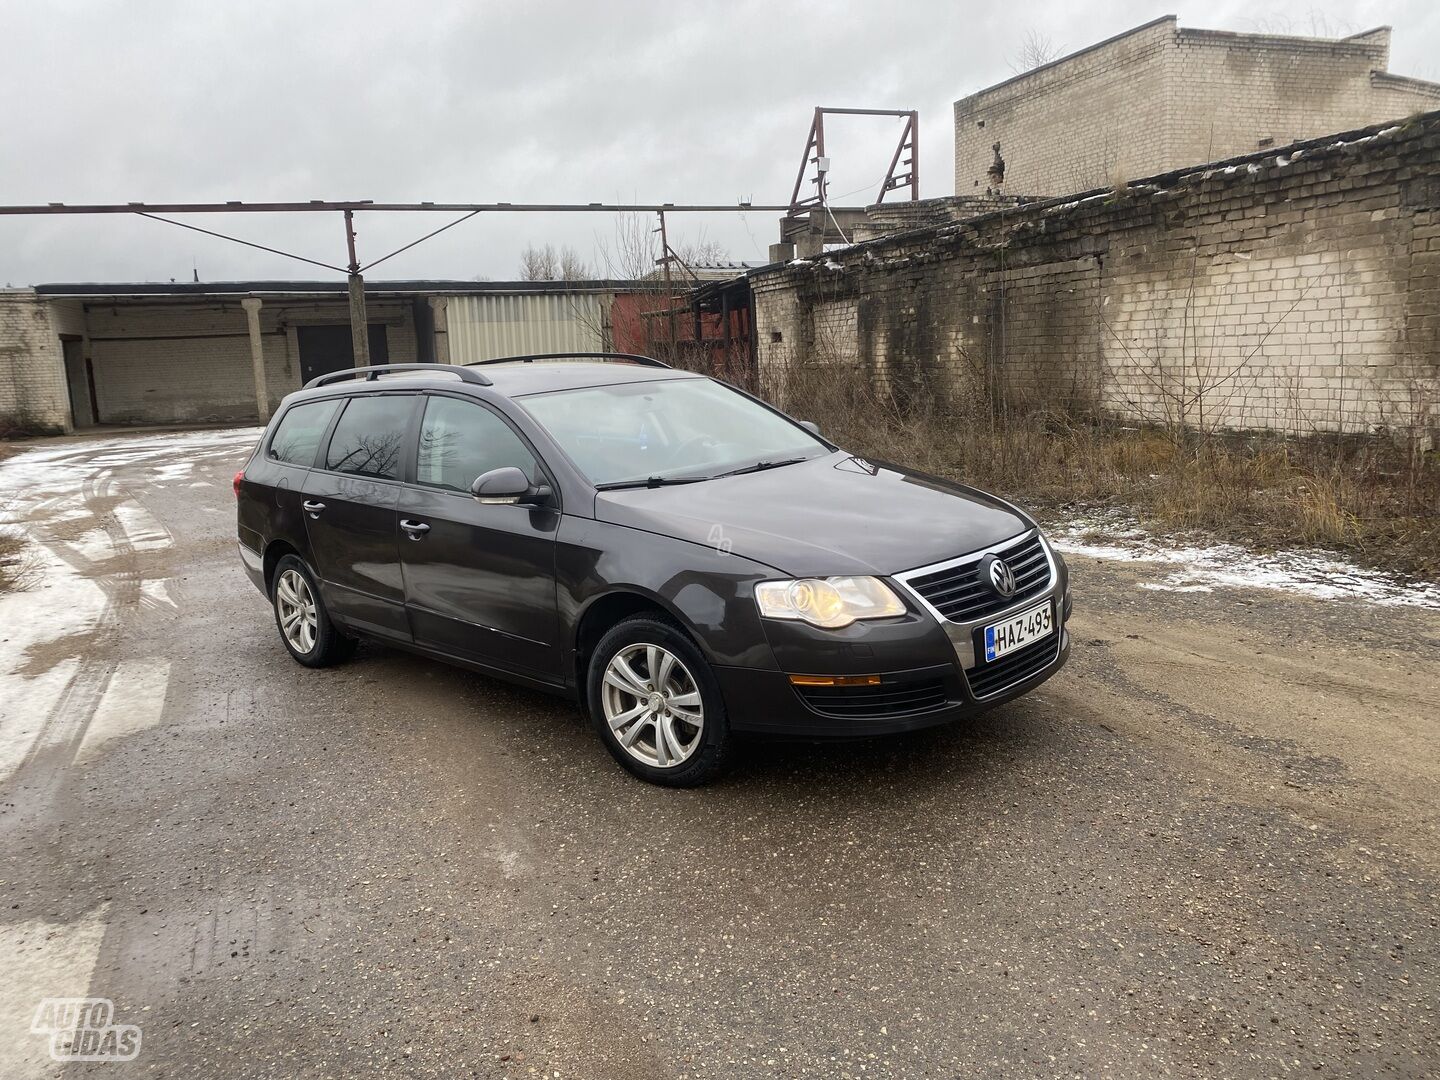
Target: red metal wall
(639,324)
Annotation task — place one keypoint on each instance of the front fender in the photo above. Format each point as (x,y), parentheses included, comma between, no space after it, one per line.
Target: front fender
(707,589)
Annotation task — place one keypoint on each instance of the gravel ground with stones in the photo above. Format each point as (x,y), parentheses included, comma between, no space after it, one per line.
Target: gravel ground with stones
(1207,848)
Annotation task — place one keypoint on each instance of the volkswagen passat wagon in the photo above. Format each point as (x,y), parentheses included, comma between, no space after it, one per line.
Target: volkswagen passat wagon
(684,561)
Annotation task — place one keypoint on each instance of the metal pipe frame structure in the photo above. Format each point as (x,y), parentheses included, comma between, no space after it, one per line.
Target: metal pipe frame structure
(354,269)
(815,150)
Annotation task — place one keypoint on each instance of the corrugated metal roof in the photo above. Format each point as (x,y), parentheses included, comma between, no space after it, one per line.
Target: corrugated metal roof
(489,326)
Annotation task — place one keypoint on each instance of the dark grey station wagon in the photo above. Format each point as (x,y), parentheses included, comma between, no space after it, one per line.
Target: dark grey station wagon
(686,562)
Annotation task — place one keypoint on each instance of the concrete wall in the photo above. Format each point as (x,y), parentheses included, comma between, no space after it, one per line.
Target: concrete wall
(1296,291)
(1162,97)
(186,362)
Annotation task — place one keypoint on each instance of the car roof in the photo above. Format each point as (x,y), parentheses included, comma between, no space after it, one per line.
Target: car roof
(508,379)
(516,380)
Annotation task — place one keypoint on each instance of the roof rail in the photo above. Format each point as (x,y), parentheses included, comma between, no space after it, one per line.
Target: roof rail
(374,371)
(633,358)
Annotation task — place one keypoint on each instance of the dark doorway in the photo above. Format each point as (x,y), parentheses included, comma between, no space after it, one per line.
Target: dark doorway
(324,349)
(80,380)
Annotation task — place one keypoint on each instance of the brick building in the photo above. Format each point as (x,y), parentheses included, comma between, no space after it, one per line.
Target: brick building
(1296,289)
(1162,96)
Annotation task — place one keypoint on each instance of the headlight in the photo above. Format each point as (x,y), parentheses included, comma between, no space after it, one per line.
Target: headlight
(829,602)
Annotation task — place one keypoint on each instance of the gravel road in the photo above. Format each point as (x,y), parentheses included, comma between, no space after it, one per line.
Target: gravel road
(1208,848)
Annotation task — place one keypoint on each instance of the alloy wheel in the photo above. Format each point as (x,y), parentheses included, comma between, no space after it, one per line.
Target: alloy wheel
(295,604)
(652,704)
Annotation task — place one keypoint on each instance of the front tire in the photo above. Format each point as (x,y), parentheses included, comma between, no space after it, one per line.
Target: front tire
(300,616)
(656,704)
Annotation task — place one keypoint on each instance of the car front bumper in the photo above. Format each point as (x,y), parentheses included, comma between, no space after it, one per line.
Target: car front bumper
(931,670)
(765,702)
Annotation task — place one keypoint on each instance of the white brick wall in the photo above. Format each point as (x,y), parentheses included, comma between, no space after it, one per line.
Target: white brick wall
(1162,97)
(1296,292)
(32,371)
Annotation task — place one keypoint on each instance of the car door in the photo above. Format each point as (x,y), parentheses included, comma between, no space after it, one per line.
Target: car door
(479,577)
(349,505)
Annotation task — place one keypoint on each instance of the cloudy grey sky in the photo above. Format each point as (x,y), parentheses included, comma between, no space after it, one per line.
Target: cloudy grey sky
(572,102)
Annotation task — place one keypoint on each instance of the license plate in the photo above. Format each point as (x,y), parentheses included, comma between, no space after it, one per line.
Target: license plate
(1019,630)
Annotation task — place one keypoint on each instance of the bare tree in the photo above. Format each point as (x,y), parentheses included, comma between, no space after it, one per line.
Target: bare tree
(1318,24)
(702,251)
(633,251)
(658,318)
(548,264)
(1036,50)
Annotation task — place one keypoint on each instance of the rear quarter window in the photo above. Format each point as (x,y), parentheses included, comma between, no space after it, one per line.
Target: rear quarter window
(299,433)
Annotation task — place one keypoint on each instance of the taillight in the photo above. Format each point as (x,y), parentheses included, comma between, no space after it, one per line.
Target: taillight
(239,478)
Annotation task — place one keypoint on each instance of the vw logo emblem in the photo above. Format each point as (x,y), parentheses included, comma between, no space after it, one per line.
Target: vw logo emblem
(1002,578)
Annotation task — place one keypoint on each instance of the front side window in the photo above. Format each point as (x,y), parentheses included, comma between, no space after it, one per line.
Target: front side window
(369,437)
(298,436)
(668,428)
(460,440)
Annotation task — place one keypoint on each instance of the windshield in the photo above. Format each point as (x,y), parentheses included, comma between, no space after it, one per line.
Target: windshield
(667,429)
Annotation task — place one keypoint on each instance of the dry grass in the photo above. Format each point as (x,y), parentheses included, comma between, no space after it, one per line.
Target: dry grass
(1367,498)
(17,569)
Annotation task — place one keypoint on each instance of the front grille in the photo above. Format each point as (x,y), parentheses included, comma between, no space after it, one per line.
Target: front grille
(958,593)
(1013,667)
(886,699)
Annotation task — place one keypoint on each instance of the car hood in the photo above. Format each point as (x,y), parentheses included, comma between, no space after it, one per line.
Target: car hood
(835,514)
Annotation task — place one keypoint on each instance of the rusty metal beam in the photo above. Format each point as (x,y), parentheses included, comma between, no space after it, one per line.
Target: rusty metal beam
(369,206)
(814,151)
(864,112)
(909,140)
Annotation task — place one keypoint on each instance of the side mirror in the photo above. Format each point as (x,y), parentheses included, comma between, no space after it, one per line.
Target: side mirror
(508,486)
(810,426)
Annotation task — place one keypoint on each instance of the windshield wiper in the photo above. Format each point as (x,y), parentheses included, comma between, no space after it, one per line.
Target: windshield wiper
(650,482)
(761,466)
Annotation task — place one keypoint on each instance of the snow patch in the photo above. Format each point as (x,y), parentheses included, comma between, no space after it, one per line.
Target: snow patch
(1180,567)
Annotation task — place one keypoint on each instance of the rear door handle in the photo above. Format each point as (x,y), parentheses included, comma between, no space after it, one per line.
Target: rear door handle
(415,529)
(313,508)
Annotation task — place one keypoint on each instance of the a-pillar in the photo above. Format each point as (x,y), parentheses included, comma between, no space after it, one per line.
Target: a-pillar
(251,304)
(439,312)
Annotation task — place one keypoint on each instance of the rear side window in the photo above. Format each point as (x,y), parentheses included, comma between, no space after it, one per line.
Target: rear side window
(369,437)
(460,440)
(298,436)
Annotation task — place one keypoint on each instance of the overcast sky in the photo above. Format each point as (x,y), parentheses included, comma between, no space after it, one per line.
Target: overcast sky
(513,102)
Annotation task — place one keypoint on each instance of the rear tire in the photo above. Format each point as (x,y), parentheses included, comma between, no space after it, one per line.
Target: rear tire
(656,704)
(305,627)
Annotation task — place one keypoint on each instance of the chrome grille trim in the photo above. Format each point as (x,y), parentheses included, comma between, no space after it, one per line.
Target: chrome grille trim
(1031,591)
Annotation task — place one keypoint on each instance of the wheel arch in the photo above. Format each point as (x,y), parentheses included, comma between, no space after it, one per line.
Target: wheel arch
(608,609)
(274,552)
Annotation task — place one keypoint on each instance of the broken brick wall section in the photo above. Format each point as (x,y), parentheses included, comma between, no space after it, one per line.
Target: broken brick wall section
(1297,290)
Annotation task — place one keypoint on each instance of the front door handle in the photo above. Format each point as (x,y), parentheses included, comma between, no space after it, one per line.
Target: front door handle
(415,529)
(312,507)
